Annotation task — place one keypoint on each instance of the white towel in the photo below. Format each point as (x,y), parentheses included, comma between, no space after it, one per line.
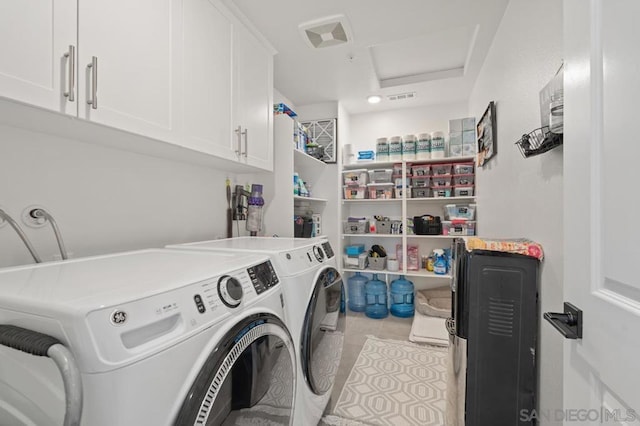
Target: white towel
(431,330)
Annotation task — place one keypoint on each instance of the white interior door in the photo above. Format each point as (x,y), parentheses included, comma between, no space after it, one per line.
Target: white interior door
(601,95)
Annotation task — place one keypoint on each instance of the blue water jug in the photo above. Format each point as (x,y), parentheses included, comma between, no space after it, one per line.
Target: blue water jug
(356,284)
(376,294)
(402,298)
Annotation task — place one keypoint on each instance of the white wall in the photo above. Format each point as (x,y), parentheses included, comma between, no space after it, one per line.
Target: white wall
(367,127)
(520,197)
(103,199)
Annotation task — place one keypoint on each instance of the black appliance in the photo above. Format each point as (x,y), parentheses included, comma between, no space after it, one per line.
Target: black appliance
(492,369)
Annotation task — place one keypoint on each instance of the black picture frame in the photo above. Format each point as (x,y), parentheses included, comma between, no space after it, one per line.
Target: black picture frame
(486,135)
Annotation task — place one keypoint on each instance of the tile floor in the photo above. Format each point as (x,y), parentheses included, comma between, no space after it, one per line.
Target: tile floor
(358,327)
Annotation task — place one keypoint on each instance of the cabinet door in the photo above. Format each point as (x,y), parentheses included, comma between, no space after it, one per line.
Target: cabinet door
(34,36)
(254,98)
(208,66)
(137,45)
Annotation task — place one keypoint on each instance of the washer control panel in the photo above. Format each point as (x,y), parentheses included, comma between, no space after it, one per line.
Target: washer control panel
(230,291)
(263,276)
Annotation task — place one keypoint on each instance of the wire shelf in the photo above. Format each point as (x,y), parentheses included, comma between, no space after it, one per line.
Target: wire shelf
(538,142)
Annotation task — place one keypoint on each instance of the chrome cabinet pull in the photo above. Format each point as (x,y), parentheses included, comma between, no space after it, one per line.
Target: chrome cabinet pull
(246,143)
(94,82)
(239,134)
(71,55)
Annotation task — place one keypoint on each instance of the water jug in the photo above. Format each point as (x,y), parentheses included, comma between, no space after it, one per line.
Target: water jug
(401,298)
(376,295)
(356,285)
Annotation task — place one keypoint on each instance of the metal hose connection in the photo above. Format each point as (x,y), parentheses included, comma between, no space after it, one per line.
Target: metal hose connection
(40,213)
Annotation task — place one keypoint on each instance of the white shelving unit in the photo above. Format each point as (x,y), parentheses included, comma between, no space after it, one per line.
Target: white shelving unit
(401,209)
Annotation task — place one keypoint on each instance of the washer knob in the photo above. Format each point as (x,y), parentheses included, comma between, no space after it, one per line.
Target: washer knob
(318,253)
(230,291)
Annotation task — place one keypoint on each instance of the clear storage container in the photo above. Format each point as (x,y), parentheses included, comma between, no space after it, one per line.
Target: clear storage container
(441,169)
(380,175)
(463,191)
(380,191)
(354,192)
(460,211)
(440,181)
(463,168)
(463,180)
(421,192)
(442,191)
(399,190)
(458,227)
(355,177)
(420,182)
(353,227)
(420,170)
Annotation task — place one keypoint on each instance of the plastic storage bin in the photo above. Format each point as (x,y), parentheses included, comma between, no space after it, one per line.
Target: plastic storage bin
(380,191)
(383,226)
(427,225)
(460,212)
(421,192)
(463,180)
(442,191)
(401,298)
(376,296)
(458,227)
(355,286)
(420,182)
(463,168)
(420,170)
(380,175)
(397,169)
(377,263)
(356,262)
(354,192)
(440,181)
(399,190)
(353,227)
(441,169)
(354,249)
(355,177)
(463,191)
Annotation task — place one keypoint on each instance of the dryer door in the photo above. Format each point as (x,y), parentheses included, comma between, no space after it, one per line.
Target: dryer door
(323,332)
(248,378)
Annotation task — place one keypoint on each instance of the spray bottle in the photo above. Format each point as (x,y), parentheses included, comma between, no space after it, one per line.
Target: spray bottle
(254,212)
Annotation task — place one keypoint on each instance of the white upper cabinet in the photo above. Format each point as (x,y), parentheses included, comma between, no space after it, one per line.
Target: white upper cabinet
(253,96)
(208,70)
(187,72)
(35,35)
(130,66)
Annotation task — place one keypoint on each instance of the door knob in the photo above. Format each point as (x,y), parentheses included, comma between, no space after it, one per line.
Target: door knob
(568,323)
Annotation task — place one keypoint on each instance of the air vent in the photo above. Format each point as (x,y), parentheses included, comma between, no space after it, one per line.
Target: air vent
(402,96)
(326,32)
(501,317)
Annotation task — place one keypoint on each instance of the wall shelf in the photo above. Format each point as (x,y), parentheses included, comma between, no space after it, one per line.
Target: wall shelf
(375,201)
(306,163)
(372,235)
(423,274)
(297,199)
(439,199)
(387,164)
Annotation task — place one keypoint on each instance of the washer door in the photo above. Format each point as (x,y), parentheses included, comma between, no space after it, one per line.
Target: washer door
(323,332)
(248,378)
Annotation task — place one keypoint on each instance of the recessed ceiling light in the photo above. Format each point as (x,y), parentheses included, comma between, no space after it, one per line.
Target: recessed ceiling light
(374,99)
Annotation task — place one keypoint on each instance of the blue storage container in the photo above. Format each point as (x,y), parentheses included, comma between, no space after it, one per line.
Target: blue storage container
(356,285)
(354,250)
(376,294)
(402,298)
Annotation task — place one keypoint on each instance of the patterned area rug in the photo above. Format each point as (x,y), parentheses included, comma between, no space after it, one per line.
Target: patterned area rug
(394,383)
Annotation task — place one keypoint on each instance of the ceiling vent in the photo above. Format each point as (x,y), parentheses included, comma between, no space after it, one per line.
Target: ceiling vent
(402,96)
(326,32)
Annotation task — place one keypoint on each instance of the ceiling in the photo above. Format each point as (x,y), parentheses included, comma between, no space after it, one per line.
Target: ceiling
(433,48)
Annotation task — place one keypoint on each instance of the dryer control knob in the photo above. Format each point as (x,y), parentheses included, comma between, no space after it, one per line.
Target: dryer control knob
(318,253)
(230,291)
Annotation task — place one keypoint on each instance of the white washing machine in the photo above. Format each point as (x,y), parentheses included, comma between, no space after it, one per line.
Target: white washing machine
(160,337)
(314,310)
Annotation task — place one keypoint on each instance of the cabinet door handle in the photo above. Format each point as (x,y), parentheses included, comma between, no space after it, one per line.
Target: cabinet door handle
(93,66)
(239,134)
(71,56)
(246,143)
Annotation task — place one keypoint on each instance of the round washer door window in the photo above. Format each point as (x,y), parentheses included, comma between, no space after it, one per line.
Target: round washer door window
(323,332)
(249,378)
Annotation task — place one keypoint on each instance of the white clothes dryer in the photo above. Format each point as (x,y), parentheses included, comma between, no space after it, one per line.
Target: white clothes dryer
(314,310)
(161,337)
